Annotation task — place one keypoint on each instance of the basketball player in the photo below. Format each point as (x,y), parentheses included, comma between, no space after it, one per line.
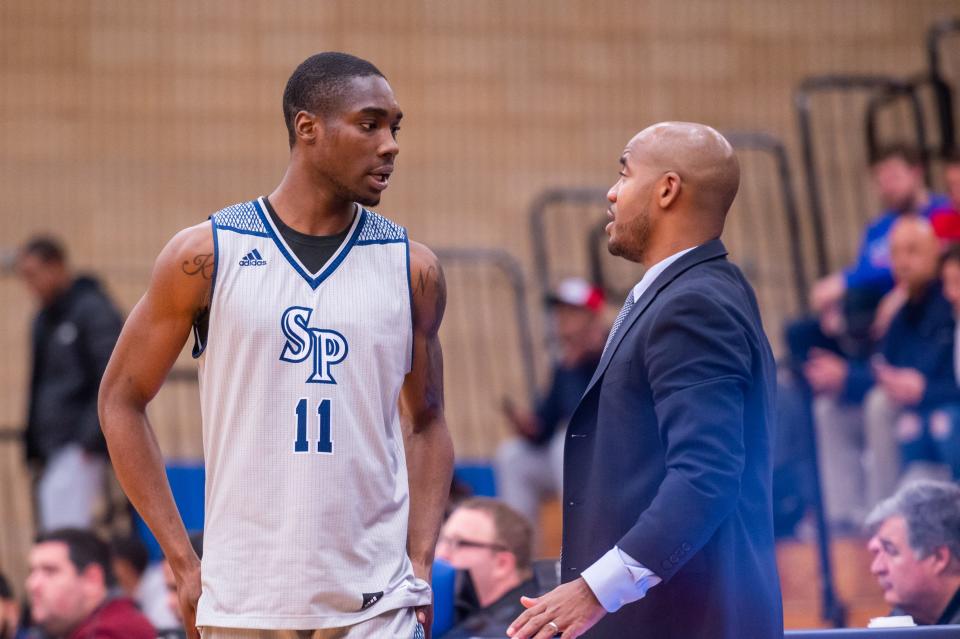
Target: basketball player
(327,455)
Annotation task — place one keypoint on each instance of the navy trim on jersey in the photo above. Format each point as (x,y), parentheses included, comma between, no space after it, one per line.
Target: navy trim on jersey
(233,229)
(369,242)
(406,241)
(313,280)
(198,348)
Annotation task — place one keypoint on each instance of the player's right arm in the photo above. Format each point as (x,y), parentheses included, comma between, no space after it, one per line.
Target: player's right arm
(149,344)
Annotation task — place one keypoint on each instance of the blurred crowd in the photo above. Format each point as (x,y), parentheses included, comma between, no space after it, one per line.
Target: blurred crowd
(874,370)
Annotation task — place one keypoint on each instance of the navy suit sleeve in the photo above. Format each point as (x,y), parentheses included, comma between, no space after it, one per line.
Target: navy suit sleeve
(698,361)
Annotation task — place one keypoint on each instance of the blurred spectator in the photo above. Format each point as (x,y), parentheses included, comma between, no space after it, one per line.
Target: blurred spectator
(851,310)
(493,545)
(170,585)
(74,333)
(141,581)
(530,466)
(899,179)
(914,372)
(915,543)
(9,612)
(946,221)
(69,588)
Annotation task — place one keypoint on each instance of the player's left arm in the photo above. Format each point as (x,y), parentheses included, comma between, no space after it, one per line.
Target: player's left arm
(429,449)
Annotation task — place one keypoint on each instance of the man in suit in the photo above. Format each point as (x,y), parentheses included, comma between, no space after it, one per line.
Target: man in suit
(667,524)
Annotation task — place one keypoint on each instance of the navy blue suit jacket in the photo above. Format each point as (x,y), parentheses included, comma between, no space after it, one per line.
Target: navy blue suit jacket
(668,456)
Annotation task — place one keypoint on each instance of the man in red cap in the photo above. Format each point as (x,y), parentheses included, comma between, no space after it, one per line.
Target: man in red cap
(529,466)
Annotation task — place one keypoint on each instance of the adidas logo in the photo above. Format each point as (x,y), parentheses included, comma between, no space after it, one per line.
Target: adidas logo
(370,598)
(253,258)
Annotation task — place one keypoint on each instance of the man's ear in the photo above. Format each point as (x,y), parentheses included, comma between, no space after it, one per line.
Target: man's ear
(93,577)
(668,189)
(307,127)
(942,560)
(506,562)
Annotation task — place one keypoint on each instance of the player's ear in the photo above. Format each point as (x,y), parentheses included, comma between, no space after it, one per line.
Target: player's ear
(307,127)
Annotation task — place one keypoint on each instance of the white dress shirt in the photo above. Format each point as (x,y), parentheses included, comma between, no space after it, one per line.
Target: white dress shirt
(617,578)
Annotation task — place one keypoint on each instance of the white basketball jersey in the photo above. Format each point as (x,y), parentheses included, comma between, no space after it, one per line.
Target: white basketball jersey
(306,485)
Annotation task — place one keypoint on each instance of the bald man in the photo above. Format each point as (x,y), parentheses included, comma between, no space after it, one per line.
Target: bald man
(907,387)
(915,373)
(667,523)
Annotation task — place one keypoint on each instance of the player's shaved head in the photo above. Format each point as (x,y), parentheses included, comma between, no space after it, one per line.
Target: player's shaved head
(704,160)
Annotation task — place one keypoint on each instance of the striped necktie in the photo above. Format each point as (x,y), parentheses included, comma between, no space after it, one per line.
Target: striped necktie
(622,315)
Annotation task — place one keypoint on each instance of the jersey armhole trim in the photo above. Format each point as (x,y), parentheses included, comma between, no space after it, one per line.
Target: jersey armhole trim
(406,243)
(199,348)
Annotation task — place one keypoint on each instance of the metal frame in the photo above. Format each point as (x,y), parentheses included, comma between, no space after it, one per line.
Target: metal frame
(879,85)
(941,88)
(507,264)
(538,211)
(766,143)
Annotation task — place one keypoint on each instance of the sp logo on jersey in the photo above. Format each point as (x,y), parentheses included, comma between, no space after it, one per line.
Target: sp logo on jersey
(326,348)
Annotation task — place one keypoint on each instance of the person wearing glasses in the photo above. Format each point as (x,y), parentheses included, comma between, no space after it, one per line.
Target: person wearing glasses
(493,544)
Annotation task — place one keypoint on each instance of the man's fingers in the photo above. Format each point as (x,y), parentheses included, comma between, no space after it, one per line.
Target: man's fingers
(529,602)
(534,627)
(522,622)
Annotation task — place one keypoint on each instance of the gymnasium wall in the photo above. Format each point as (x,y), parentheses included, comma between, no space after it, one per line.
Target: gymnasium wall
(122,122)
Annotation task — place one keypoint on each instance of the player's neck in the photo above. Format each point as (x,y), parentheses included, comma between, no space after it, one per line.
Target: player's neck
(308,208)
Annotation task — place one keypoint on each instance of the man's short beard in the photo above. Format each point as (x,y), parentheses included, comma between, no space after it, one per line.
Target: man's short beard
(635,239)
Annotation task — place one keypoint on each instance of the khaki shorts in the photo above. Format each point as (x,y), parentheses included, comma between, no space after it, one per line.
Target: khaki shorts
(399,623)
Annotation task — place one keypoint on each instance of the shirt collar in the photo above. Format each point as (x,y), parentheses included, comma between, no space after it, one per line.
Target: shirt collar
(654,272)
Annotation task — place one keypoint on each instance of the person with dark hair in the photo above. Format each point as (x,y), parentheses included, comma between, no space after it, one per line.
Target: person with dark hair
(316,333)
(9,611)
(141,581)
(70,589)
(915,543)
(493,545)
(852,309)
(73,335)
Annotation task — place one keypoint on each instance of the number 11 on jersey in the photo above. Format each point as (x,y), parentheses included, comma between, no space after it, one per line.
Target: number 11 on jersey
(324,443)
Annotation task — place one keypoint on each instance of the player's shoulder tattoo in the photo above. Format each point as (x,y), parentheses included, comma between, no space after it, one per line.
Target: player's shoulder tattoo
(201,264)
(429,286)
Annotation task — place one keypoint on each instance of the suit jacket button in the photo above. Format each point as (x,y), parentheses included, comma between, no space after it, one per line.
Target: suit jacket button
(666,565)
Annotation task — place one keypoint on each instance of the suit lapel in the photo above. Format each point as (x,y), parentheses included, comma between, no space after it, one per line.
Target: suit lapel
(708,251)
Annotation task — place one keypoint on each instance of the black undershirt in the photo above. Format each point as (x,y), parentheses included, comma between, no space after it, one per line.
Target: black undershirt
(313,251)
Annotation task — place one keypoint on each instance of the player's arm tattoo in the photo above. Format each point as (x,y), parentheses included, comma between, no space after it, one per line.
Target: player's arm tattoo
(431,293)
(432,283)
(201,265)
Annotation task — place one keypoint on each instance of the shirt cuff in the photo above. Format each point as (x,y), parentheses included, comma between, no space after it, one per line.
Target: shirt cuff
(617,579)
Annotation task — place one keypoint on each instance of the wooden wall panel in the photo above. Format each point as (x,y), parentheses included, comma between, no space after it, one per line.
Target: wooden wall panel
(122,122)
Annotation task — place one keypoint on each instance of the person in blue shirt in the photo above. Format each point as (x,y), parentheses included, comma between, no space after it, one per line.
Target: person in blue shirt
(850,312)
(844,303)
(929,432)
(910,380)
